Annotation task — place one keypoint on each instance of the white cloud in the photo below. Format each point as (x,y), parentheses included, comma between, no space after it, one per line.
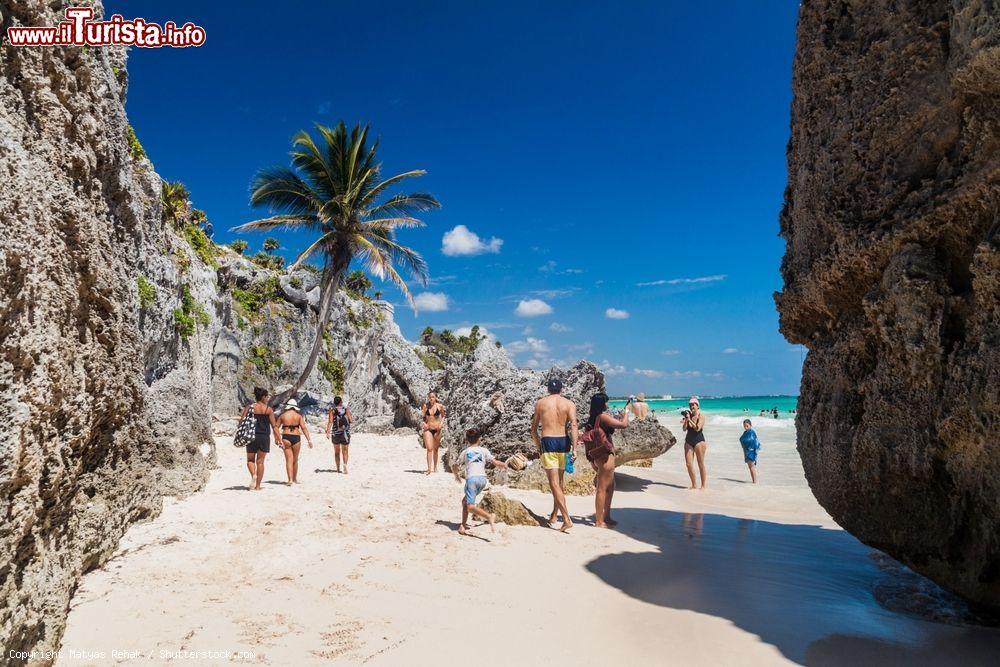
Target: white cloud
(527,331)
(730,350)
(683,281)
(559,328)
(610,369)
(548,267)
(532,308)
(615,314)
(670,353)
(462,241)
(556,293)
(535,346)
(431,302)
(696,374)
(647,372)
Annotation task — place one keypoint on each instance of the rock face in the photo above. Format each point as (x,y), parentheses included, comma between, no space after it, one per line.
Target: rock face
(892,278)
(94,410)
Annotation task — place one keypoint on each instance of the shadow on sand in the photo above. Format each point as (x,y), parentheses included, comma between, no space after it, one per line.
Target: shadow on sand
(804,589)
(627,482)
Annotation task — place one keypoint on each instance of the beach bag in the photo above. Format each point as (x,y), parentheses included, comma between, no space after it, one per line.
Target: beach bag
(517,462)
(597,444)
(245,430)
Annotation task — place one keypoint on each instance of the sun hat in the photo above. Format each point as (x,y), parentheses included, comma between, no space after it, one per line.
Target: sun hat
(694,399)
(292,404)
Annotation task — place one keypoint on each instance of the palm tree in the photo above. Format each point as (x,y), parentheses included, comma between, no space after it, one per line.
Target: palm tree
(270,245)
(334,190)
(239,245)
(175,198)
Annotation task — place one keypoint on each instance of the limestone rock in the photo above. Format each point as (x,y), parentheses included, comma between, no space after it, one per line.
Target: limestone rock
(510,512)
(892,278)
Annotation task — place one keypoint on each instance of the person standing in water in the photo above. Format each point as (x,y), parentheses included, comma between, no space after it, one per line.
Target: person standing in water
(605,469)
(293,427)
(264,427)
(638,407)
(338,430)
(553,414)
(433,430)
(693,423)
(751,445)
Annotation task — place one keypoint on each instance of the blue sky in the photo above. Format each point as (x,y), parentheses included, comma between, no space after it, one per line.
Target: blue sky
(622,164)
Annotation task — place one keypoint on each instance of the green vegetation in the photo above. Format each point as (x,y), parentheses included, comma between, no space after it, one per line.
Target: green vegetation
(183,261)
(272,262)
(266,361)
(175,197)
(331,368)
(201,244)
(239,245)
(138,152)
(445,344)
(190,314)
(311,268)
(295,282)
(430,361)
(252,301)
(338,190)
(359,322)
(147,293)
(357,285)
(270,245)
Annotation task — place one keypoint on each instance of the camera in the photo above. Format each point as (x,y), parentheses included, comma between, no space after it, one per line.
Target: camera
(685,413)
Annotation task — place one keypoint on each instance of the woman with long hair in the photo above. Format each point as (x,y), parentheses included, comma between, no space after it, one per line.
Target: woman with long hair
(600,418)
(338,429)
(293,427)
(264,427)
(433,430)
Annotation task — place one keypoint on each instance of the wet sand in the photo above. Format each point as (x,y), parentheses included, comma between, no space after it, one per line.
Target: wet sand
(367,568)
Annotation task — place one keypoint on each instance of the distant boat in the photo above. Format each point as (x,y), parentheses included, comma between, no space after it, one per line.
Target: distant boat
(666,397)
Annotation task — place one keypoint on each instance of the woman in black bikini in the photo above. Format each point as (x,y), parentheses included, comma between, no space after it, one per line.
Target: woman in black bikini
(605,469)
(293,427)
(263,428)
(694,441)
(433,428)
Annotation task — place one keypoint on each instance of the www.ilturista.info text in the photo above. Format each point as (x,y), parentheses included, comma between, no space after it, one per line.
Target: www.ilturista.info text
(79,30)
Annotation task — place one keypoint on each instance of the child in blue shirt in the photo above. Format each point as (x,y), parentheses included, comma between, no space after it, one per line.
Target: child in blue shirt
(751,445)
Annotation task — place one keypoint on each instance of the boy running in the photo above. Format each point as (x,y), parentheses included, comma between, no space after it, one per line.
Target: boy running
(474,458)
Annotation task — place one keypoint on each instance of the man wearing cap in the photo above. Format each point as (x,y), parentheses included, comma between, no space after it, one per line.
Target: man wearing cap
(552,415)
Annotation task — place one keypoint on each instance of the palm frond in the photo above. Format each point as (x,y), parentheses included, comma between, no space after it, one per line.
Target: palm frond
(406,205)
(311,162)
(377,190)
(400,254)
(392,223)
(281,189)
(380,264)
(318,244)
(278,221)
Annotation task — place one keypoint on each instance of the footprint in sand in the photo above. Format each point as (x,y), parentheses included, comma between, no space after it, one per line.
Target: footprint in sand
(340,640)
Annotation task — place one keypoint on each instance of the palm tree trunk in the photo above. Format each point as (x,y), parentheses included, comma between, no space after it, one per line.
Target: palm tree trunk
(329,284)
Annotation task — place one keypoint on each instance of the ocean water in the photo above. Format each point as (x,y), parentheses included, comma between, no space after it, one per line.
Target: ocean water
(726,406)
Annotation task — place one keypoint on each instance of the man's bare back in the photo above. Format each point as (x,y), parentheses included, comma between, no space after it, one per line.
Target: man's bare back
(552,413)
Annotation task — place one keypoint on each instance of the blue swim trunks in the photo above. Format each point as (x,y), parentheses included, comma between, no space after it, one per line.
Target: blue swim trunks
(473,487)
(558,444)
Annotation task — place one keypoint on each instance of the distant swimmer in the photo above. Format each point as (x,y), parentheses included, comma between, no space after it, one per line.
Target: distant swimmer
(474,457)
(693,423)
(293,427)
(555,415)
(603,461)
(433,430)
(338,430)
(638,407)
(751,445)
(264,426)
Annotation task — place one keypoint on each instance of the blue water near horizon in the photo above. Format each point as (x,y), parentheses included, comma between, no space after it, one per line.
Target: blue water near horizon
(726,406)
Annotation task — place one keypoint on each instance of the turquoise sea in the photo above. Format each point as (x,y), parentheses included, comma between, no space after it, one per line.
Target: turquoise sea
(725,406)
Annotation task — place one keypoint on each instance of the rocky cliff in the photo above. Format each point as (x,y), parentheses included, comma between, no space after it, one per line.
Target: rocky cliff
(892,277)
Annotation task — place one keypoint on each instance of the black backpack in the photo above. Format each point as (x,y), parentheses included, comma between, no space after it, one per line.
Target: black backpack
(340,423)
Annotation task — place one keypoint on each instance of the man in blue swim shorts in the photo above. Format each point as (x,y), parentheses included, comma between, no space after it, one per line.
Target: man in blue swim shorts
(474,458)
(751,445)
(552,414)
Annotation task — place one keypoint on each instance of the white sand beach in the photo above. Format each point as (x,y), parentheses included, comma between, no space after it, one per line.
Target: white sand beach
(367,568)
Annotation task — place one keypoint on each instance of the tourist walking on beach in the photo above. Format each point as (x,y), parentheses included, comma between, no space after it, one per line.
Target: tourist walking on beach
(264,427)
(638,407)
(433,430)
(751,445)
(474,457)
(555,415)
(293,426)
(603,462)
(693,423)
(338,430)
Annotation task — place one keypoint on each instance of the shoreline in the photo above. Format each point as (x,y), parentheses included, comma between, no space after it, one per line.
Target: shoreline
(368,567)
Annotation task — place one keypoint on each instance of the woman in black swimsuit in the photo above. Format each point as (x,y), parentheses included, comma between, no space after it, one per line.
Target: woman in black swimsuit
(433,428)
(293,427)
(605,482)
(263,428)
(694,441)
